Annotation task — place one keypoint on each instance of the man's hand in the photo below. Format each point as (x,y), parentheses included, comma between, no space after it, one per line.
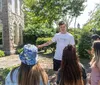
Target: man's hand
(39,46)
(45,44)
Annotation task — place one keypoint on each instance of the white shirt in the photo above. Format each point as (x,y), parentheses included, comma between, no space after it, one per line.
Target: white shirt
(62,41)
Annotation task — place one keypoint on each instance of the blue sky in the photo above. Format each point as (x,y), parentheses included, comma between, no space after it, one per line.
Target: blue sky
(82,19)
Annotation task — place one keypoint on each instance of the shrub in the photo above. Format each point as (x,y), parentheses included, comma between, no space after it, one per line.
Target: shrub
(40,41)
(31,33)
(19,50)
(29,37)
(84,44)
(76,33)
(2,54)
(77,37)
(3,74)
(98,32)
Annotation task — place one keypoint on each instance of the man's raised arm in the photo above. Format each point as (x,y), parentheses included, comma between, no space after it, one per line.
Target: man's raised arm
(45,44)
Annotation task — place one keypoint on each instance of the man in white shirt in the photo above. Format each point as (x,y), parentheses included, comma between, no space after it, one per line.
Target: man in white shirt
(62,39)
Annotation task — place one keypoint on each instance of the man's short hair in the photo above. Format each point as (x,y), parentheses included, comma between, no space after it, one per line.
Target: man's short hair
(95,37)
(61,23)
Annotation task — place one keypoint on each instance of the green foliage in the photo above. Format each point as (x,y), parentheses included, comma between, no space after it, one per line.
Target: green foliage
(84,44)
(31,33)
(98,32)
(76,37)
(2,54)
(74,7)
(48,11)
(3,74)
(44,40)
(19,50)
(94,21)
(76,33)
(41,14)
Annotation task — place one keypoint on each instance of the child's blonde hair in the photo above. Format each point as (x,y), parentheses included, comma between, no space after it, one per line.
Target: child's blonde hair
(96,59)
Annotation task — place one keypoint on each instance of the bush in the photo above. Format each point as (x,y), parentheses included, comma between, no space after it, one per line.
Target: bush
(3,74)
(98,32)
(2,54)
(29,37)
(77,37)
(76,33)
(40,41)
(31,33)
(19,50)
(84,44)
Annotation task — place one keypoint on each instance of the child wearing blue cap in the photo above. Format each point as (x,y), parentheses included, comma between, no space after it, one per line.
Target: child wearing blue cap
(30,71)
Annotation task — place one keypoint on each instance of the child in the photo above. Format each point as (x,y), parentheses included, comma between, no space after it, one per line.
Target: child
(95,64)
(70,72)
(30,71)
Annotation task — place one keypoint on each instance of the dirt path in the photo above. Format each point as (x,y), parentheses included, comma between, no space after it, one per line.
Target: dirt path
(46,62)
(9,61)
(13,60)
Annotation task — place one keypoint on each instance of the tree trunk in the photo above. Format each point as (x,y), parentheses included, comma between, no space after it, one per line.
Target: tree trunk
(75,25)
(75,22)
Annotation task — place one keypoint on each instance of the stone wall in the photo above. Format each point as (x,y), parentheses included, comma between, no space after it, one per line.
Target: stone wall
(5,31)
(13,25)
(16,26)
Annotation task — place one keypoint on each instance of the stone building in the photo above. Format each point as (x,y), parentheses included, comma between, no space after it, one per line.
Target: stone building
(12,24)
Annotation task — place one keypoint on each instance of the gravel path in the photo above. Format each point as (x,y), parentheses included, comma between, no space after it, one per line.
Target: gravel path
(13,60)
(46,62)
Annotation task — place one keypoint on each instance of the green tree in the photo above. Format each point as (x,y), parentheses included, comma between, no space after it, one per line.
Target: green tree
(48,11)
(40,15)
(84,44)
(94,21)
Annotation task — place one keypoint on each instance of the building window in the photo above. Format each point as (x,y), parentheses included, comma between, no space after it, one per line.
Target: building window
(16,6)
(13,6)
(0,5)
(19,7)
